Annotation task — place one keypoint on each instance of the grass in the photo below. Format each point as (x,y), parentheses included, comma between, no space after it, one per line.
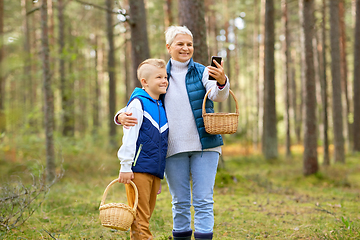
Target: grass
(254,199)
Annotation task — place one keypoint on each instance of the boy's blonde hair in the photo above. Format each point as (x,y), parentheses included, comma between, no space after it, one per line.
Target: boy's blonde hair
(142,71)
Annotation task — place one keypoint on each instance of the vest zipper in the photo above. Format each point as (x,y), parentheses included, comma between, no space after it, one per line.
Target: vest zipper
(137,155)
(157,101)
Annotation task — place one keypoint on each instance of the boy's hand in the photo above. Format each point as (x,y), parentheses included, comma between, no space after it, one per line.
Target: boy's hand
(125,177)
(126,120)
(159,189)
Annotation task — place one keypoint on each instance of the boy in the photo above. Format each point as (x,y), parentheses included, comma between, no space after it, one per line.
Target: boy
(142,154)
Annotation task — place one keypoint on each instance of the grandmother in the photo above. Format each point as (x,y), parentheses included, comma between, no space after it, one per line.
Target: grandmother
(192,154)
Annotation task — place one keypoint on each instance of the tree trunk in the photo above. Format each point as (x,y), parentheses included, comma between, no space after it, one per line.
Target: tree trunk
(339,153)
(61,42)
(235,81)
(51,24)
(2,79)
(227,67)
(270,129)
(317,70)
(255,137)
(310,135)
(344,73)
(81,91)
(67,123)
(48,96)
(294,95)
(192,15)
(169,20)
(111,71)
(300,108)
(27,79)
(96,92)
(286,60)
(35,122)
(356,124)
(323,83)
(212,28)
(139,36)
(130,85)
(52,40)
(260,93)
(68,92)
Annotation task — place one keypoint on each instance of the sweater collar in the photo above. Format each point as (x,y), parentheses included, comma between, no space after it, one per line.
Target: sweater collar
(189,64)
(180,65)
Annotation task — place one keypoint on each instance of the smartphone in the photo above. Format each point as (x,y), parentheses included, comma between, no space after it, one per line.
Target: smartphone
(216,58)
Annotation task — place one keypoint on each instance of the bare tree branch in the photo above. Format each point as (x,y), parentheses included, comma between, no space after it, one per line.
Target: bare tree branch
(100,7)
(121,11)
(32,10)
(49,234)
(18,201)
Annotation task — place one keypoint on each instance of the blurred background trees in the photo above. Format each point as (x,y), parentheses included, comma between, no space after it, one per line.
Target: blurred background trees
(280,58)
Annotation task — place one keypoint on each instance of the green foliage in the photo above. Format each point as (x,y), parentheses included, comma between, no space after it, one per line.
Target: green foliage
(254,198)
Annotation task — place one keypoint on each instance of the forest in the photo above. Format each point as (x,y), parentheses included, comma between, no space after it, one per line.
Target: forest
(292,169)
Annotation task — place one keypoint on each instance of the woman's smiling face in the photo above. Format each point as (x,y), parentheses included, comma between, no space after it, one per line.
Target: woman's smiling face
(181,49)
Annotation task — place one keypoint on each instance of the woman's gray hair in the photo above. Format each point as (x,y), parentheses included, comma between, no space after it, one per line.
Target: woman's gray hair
(172,31)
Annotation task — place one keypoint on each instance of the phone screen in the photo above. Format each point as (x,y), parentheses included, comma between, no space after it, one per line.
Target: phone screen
(218,59)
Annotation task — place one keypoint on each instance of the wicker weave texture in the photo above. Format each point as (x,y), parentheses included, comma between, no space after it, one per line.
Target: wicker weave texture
(117,215)
(220,123)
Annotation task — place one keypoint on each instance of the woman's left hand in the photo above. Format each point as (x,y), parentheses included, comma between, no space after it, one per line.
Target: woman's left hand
(218,73)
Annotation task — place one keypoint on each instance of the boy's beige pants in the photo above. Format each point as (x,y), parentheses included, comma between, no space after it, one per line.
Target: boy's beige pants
(148,185)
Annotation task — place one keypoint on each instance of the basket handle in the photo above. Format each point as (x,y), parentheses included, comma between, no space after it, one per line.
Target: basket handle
(204,101)
(112,183)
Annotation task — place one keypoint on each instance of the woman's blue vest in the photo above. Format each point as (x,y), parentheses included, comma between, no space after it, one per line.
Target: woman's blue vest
(152,142)
(196,93)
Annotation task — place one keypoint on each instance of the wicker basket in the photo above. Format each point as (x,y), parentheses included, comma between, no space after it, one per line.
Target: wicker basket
(220,123)
(117,215)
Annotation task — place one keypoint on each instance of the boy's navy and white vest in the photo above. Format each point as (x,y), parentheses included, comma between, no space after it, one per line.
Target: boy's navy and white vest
(152,142)
(196,93)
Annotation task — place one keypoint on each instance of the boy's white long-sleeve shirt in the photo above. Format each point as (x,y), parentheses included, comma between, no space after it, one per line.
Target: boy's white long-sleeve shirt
(127,150)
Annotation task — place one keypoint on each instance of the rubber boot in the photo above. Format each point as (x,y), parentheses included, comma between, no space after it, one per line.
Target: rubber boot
(182,235)
(203,236)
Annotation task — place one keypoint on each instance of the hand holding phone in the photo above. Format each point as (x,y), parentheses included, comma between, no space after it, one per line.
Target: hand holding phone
(218,59)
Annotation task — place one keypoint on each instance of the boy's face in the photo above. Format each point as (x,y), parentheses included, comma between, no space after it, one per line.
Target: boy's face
(156,82)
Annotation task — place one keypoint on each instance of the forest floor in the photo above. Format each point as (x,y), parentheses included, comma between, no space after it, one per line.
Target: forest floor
(254,198)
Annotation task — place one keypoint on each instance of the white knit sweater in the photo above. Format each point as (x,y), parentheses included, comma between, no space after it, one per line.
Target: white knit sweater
(183,134)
